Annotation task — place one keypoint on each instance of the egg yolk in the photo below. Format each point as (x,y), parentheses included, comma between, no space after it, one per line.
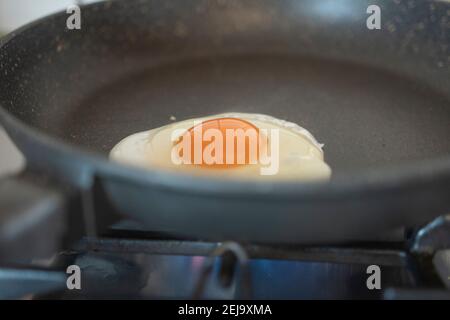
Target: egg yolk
(242,137)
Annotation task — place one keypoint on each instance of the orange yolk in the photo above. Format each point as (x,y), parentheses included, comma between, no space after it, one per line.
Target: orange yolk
(224,124)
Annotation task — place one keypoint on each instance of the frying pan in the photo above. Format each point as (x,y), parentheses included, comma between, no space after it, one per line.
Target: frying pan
(378,99)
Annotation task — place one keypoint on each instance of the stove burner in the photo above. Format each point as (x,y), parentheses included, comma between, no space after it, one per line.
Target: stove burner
(157,266)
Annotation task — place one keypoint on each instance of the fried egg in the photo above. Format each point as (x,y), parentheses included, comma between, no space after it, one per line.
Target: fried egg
(207,146)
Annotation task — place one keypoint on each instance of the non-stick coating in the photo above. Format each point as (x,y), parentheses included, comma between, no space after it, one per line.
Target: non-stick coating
(94,87)
(365,117)
(375,98)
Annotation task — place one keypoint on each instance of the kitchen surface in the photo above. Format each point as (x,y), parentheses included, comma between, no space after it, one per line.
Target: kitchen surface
(11,160)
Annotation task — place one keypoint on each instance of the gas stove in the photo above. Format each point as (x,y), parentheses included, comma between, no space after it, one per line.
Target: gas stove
(129,263)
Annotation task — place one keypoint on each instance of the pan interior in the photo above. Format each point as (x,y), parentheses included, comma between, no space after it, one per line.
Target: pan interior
(365,117)
(127,71)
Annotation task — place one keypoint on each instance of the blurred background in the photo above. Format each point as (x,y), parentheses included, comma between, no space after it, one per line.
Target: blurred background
(14,14)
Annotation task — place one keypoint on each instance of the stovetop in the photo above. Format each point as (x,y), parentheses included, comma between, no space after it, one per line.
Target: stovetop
(132,264)
(130,268)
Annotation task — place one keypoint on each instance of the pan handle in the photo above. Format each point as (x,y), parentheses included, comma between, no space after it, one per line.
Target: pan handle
(33,217)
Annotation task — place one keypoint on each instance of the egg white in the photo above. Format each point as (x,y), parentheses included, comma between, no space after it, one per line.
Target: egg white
(300,155)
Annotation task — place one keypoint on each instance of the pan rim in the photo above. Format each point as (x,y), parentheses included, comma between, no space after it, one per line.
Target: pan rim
(390,178)
(436,170)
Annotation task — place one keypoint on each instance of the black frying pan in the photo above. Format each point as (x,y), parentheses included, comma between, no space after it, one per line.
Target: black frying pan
(378,99)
